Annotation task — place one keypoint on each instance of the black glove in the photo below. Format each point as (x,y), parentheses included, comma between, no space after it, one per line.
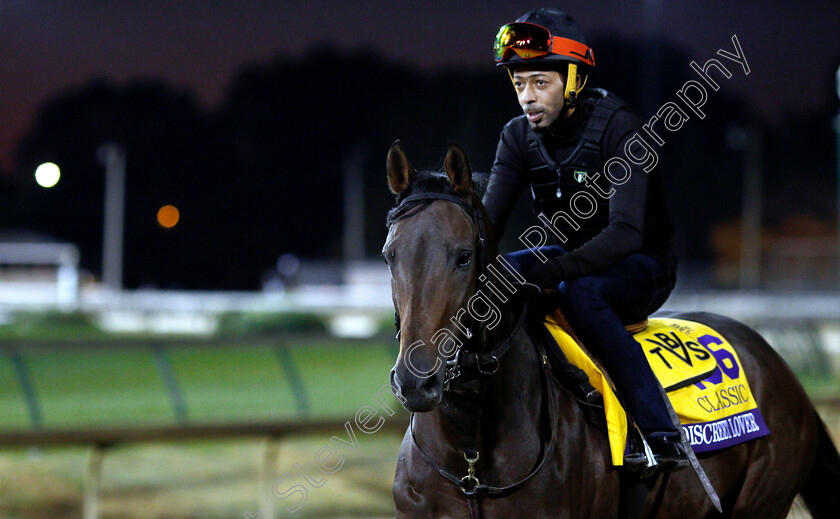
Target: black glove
(545,275)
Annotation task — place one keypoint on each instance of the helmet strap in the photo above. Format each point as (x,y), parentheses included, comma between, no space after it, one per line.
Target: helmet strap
(510,75)
(571,86)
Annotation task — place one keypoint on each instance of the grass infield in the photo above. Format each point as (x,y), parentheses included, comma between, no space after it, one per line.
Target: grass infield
(149,381)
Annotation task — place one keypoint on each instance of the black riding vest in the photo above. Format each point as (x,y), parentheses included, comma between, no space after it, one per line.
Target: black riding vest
(564,198)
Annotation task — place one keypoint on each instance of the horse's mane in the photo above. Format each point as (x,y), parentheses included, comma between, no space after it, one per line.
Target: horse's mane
(429,182)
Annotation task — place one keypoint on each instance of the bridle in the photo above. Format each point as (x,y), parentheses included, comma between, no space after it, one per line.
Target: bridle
(466,365)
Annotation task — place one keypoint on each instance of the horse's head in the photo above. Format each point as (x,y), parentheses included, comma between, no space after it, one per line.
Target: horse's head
(433,251)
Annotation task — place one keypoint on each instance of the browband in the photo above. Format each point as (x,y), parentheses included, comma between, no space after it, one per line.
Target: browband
(440,196)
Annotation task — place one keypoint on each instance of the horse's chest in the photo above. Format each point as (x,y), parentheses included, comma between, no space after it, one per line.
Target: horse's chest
(420,492)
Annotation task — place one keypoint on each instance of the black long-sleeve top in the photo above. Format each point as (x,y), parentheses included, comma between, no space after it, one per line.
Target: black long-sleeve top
(638,217)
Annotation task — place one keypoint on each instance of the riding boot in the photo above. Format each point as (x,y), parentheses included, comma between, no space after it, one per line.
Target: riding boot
(668,451)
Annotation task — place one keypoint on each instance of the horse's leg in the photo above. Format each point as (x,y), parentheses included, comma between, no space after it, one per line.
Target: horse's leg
(633,494)
(759,478)
(778,469)
(779,463)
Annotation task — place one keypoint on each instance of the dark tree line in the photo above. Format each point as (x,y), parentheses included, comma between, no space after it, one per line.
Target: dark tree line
(261,174)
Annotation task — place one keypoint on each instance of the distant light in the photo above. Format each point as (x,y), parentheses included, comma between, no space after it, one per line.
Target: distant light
(351,325)
(288,265)
(47,175)
(837,81)
(168,216)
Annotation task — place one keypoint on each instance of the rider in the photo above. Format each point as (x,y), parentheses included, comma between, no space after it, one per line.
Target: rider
(613,263)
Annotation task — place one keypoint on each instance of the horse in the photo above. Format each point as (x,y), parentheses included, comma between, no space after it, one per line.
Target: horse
(492,434)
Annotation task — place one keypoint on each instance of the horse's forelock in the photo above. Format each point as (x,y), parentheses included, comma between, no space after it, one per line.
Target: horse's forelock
(428,182)
(431,182)
(423,182)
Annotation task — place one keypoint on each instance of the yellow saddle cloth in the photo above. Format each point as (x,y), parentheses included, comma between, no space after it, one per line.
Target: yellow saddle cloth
(702,374)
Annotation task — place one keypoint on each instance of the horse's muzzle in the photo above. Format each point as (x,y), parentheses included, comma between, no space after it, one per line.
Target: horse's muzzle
(417,394)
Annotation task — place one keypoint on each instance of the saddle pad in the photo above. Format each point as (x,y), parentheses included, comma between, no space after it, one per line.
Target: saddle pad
(701,370)
(674,355)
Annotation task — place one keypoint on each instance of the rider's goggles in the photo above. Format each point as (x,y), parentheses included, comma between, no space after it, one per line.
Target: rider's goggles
(528,40)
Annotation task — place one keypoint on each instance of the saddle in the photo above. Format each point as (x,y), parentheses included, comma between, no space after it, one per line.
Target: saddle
(695,364)
(571,376)
(578,382)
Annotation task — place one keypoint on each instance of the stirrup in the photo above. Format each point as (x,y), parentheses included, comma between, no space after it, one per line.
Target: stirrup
(656,455)
(640,458)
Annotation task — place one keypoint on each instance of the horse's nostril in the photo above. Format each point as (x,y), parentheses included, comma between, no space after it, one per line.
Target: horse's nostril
(395,386)
(430,389)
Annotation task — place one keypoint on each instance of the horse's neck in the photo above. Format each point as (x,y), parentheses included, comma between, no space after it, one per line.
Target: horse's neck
(513,409)
(503,423)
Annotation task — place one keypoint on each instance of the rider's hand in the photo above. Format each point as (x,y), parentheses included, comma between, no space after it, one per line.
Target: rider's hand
(545,275)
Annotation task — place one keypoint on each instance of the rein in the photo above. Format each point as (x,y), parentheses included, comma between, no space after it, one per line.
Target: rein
(465,366)
(468,365)
(470,484)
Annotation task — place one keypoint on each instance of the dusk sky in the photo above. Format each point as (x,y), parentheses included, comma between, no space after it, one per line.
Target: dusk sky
(48,45)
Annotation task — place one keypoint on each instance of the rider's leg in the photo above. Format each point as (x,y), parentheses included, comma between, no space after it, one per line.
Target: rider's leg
(598,307)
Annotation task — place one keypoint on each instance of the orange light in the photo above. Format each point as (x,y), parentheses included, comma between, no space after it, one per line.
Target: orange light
(168,216)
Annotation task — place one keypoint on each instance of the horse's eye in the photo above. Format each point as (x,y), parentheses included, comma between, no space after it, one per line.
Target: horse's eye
(464,259)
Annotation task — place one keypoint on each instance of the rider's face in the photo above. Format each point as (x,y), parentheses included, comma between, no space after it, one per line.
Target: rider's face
(540,94)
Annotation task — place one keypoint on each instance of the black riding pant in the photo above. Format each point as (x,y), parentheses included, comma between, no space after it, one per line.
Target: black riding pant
(598,308)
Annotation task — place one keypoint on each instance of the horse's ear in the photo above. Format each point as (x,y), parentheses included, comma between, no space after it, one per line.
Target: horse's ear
(400,170)
(458,169)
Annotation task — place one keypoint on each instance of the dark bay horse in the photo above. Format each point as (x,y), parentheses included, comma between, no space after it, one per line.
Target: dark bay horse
(494,436)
